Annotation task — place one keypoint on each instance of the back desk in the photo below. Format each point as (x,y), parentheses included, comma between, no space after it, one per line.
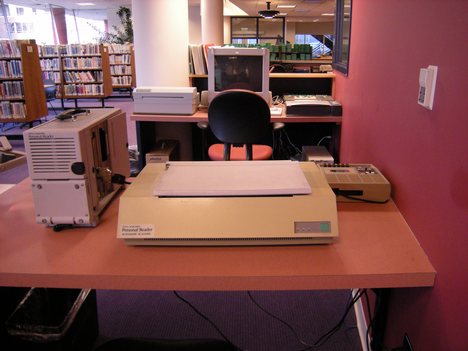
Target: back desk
(147,125)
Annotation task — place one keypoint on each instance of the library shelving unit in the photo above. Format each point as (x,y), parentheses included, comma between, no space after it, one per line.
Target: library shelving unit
(85,72)
(122,66)
(50,66)
(285,83)
(22,96)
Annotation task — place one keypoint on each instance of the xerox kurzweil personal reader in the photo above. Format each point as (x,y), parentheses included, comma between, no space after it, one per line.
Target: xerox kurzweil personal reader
(228,203)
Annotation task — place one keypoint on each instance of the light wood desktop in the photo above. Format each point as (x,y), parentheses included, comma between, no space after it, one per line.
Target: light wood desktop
(202,116)
(376,249)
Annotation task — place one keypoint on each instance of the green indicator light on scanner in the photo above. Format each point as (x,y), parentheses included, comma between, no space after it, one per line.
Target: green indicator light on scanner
(325,227)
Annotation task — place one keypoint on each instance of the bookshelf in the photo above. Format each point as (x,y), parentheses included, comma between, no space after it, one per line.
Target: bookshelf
(85,72)
(22,97)
(295,58)
(285,83)
(50,66)
(122,66)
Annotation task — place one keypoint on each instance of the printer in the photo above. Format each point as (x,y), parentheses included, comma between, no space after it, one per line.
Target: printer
(165,100)
(312,105)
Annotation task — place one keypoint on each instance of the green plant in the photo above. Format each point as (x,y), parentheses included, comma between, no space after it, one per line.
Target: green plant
(124,35)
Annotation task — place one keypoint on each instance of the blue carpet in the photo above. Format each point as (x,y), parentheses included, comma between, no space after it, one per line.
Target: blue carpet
(161,315)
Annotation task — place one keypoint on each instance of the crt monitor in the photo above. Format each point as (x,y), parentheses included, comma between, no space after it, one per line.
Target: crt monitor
(238,68)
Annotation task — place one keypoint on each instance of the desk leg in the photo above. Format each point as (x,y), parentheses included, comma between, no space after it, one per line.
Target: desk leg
(200,132)
(335,144)
(204,143)
(146,137)
(382,297)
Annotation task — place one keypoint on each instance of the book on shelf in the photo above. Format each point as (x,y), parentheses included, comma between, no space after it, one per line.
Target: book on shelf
(122,80)
(198,54)
(51,75)
(50,64)
(120,59)
(12,48)
(119,48)
(82,62)
(83,89)
(80,49)
(121,70)
(11,69)
(12,90)
(82,76)
(48,50)
(205,54)
(12,109)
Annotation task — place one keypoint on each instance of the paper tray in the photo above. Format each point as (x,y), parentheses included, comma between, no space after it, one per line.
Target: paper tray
(232,178)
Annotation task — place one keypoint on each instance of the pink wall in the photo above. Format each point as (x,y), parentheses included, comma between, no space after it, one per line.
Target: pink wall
(423,153)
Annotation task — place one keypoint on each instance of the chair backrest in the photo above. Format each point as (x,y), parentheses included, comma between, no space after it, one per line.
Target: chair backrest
(239,117)
(50,89)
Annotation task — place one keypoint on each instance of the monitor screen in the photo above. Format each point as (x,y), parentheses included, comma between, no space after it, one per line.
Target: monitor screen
(238,72)
(238,68)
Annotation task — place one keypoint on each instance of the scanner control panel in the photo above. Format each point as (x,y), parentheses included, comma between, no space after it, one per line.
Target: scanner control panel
(356,182)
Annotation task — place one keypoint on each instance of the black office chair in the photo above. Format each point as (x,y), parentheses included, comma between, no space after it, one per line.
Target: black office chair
(50,92)
(240,119)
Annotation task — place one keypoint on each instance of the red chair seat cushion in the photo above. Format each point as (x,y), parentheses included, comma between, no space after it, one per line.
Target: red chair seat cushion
(260,152)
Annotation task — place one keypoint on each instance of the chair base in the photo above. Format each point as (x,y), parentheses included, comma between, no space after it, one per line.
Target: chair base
(260,152)
(51,106)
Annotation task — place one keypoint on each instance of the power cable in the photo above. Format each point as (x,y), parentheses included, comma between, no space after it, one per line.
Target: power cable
(197,311)
(325,337)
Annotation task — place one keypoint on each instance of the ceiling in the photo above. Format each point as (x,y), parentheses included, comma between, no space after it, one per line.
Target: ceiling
(71,4)
(305,10)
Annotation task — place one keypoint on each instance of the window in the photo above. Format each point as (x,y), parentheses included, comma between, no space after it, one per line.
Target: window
(257,30)
(319,48)
(342,35)
(7,10)
(18,27)
(20,11)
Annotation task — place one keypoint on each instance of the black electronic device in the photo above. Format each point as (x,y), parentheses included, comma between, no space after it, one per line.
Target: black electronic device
(312,105)
(72,114)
